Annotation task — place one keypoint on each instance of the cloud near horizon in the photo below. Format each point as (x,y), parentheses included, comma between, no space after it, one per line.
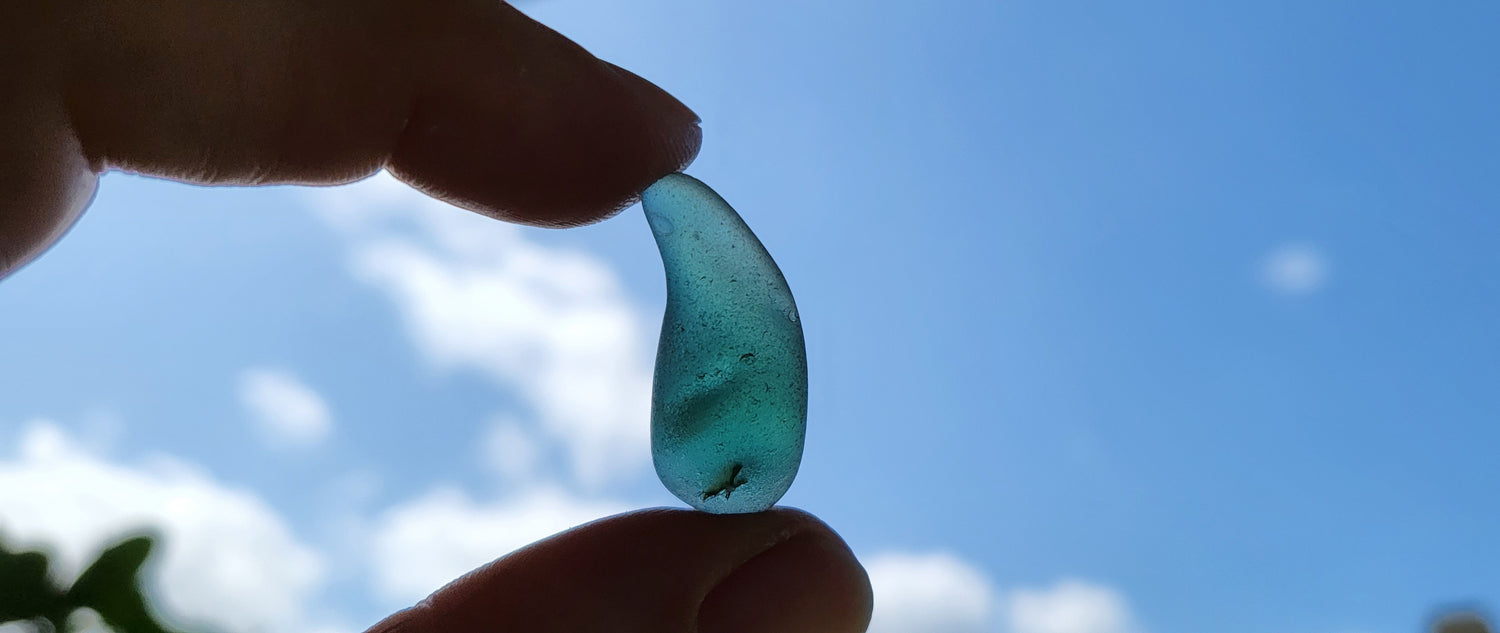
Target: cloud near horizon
(226,558)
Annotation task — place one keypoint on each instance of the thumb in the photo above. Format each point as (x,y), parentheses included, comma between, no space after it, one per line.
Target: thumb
(661,571)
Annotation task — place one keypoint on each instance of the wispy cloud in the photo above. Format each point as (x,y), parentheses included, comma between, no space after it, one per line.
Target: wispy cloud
(423,544)
(284,409)
(1294,269)
(1070,606)
(550,325)
(510,450)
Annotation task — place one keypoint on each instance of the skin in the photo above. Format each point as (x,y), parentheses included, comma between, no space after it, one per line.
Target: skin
(468,101)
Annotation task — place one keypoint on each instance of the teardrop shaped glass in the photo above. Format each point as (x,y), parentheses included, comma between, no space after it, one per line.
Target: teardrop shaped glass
(729,398)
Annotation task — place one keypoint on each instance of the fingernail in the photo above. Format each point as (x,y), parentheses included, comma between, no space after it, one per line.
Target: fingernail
(810,583)
(678,133)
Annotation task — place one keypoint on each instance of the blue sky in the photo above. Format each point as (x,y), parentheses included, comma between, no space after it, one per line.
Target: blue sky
(1175,315)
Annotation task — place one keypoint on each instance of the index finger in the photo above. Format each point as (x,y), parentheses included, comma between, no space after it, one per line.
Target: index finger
(468,100)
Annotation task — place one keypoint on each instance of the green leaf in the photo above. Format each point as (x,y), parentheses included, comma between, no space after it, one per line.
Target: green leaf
(111,586)
(29,592)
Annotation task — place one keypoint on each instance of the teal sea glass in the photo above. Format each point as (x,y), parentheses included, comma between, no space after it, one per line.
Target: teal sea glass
(729,399)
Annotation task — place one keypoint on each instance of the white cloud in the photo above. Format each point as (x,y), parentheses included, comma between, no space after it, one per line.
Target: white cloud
(226,557)
(928,593)
(509,450)
(550,325)
(285,410)
(1070,606)
(419,546)
(1294,269)
(941,593)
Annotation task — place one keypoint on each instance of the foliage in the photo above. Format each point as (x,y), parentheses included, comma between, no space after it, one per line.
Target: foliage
(1462,621)
(110,586)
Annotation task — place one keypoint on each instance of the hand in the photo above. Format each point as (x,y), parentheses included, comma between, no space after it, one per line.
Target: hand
(471,102)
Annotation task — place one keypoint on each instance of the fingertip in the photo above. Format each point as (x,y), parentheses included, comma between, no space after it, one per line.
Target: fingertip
(810,583)
(45,177)
(664,571)
(679,128)
(531,128)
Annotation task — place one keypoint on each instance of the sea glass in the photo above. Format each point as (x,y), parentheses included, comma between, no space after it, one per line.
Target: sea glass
(729,399)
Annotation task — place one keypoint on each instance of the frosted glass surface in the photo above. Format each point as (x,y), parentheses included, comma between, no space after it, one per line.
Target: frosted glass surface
(729,400)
